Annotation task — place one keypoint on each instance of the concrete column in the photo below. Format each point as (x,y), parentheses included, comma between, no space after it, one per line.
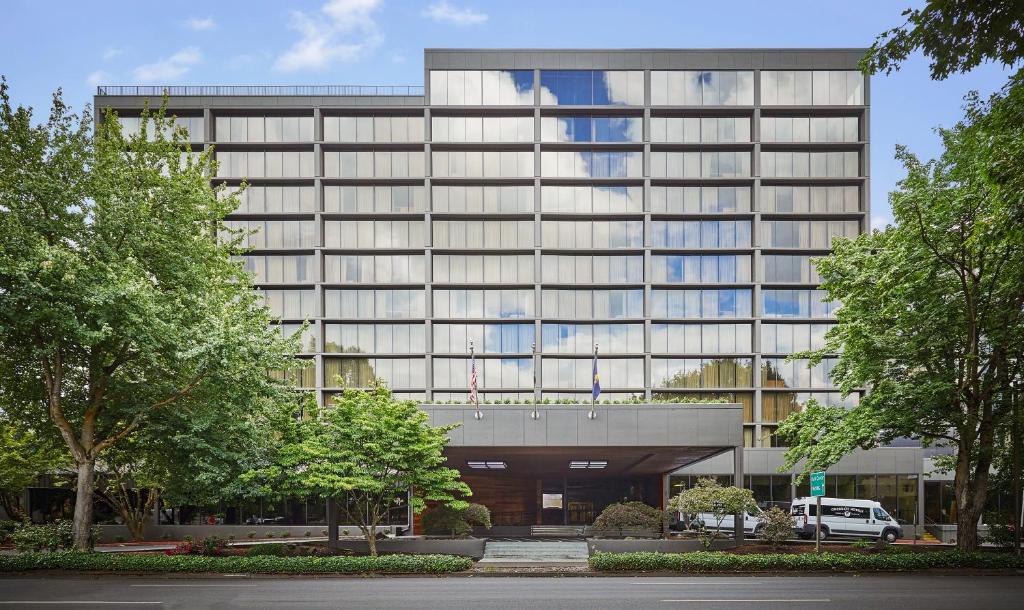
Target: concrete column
(737,456)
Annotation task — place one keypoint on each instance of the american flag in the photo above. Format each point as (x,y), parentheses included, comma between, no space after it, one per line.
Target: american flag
(472,378)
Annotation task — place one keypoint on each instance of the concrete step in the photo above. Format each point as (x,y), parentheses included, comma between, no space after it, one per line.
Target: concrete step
(539,551)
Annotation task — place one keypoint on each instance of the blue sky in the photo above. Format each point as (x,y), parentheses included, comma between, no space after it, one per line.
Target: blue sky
(75,45)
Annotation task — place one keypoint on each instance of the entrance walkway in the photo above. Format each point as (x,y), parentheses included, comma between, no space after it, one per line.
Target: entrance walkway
(526,552)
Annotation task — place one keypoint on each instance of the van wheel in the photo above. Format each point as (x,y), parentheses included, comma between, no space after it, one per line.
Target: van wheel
(823,536)
(889,536)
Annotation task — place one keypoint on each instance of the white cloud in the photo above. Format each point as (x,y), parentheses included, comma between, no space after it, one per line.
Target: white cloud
(879,222)
(97,78)
(112,52)
(343,30)
(200,23)
(167,68)
(443,11)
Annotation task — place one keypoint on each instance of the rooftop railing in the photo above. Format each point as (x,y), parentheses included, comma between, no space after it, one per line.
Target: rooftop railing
(213,90)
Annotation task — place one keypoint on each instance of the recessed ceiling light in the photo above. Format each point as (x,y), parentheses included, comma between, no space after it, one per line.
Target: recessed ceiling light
(487,465)
(587,464)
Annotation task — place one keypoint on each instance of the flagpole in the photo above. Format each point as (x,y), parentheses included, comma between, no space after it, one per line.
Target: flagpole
(473,389)
(533,365)
(593,382)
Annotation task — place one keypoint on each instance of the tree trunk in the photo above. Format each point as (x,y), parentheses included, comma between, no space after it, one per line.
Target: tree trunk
(82,523)
(12,506)
(136,524)
(371,539)
(968,506)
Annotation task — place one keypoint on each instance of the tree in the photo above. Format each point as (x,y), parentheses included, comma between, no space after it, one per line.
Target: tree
(775,526)
(368,450)
(24,455)
(708,497)
(957,36)
(933,311)
(118,302)
(631,515)
(456,522)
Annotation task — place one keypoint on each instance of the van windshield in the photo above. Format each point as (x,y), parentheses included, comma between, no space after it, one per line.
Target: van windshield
(881,515)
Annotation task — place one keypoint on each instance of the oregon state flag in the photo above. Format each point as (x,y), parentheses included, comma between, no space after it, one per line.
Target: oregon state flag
(597,380)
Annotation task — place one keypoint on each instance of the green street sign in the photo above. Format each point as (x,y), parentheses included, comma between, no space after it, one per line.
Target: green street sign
(817,484)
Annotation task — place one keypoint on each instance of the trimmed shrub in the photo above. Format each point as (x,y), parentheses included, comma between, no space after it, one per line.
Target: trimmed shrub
(211,546)
(631,516)
(775,526)
(443,519)
(29,537)
(129,562)
(705,561)
(251,535)
(267,550)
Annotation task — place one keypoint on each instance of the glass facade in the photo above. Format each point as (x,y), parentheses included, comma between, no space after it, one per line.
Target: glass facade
(658,213)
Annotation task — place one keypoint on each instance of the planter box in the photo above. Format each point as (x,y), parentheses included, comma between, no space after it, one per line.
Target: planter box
(623,533)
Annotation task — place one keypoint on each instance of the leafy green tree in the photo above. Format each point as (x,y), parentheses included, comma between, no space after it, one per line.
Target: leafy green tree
(933,312)
(708,497)
(118,302)
(775,526)
(368,450)
(957,36)
(24,455)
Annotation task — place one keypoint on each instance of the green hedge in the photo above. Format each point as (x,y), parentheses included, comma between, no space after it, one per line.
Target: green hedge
(128,562)
(703,561)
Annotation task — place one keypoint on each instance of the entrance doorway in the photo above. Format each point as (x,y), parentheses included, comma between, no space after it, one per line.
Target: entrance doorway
(568,501)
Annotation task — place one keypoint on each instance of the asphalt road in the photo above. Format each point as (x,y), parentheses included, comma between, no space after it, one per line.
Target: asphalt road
(905,592)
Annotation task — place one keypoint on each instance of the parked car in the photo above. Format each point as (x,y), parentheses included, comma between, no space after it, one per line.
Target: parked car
(751,522)
(844,517)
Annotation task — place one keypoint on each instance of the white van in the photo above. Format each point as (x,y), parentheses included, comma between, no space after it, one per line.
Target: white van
(842,517)
(751,522)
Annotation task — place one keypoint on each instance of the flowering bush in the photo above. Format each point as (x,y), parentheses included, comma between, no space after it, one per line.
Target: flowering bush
(211,546)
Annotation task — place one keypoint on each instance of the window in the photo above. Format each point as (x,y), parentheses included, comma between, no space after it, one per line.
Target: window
(481,87)
(701,303)
(586,269)
(806,233)
(581,338)
(374,338)
(486,338)
(358,372)
(700,234)
(700,199)
(797,304)
(265,164)
(789,268)
(592,234)
(373,164)
(279,269)
(810,129)
(700,129)
(701,373)
(810,199)
(290,304)
(369,199)
(299,377)
(591,164)
(803,164)
(696,269)
(368,269)
(275,199)
(586,128)
(382,303)
(476,234)
(789,338)
(483,199)
(782,373)
(482,164)
(572,373)
(592,304)
(369,128)
(272,234)
(697,164)
(482,269)
(373,233)
(194,125)
(702,88)
(807,88)
(497,304)
(700,338)
(481,129)
(591,87)
(777,406)
(492,373)
(264,128)
(592,199)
